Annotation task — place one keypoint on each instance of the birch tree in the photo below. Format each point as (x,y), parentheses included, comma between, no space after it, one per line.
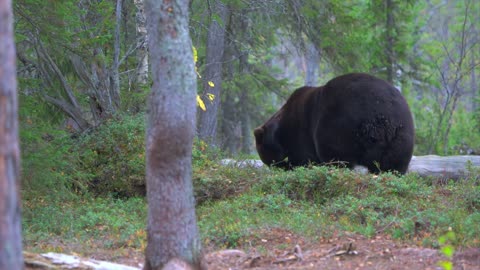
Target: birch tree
(142,52)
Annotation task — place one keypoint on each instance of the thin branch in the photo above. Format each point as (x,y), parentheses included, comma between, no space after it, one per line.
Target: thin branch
(66,86)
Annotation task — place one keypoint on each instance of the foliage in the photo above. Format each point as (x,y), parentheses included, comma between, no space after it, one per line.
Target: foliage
(447,249)
(235,203)
(435,50)
(89,182)
(450,48)
(226,182)
(109,161)
(48,166)
(427,114)
(105,222)
(113,154)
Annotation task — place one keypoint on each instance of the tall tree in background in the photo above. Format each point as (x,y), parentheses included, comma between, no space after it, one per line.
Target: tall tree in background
(312,61)
(389,42)
(142,52)
(451,52)
(74,49)
(207,129)
(171,227)
(244,69)
(10,218)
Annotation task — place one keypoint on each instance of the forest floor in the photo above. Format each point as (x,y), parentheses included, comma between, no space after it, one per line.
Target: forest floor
(282,249)
(310,218)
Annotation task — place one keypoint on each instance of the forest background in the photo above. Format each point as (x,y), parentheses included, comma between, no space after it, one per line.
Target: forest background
(83,70)
(83,81)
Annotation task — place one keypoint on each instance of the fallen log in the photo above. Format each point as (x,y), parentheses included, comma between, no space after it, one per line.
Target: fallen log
(445,167)
(64,261)
(437,167)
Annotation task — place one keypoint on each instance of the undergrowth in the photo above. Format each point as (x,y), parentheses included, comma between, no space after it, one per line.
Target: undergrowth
(234,203)
(77,193)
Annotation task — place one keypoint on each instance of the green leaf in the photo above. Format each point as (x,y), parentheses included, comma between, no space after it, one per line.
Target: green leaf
(448,251)
(446,265)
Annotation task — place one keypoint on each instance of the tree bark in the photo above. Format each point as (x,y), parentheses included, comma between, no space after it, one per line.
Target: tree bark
(115,78)
(172,231)
(229,123)
(207,130)
(10,218)
(390,41)
(473,84)
(244,69)
(312,60)
(69,106)
(228,107)
(444,167)
(247,138)
(142,52)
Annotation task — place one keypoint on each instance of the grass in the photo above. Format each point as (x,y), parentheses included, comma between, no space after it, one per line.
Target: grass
(93,222)
(236,203)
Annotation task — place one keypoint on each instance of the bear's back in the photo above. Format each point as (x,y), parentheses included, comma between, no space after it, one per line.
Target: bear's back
(363,96)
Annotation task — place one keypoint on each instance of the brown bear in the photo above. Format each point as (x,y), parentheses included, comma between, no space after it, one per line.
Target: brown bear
(354,119)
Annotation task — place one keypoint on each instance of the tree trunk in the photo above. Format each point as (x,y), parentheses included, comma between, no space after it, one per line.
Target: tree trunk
(142,52)
(312,60)
(228,107)
(229,122)
(172,231)
(207,129)
(473,83)
(390,41)
(444,167)
(247,138)
(115,79)
(10,218)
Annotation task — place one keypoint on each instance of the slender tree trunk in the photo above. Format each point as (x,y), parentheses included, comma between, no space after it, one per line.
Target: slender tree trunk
(11,257)
(473,83)
(229,120)
(142,52)
(312,60)
(172,232)
(207,129)
(247,138)
(389,6)
(228,108)
(450,122)
(115,79)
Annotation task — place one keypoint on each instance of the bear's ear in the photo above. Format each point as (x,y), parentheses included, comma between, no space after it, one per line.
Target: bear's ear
(258,132)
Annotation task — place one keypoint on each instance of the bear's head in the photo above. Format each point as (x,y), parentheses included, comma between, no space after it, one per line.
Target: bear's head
(268,144)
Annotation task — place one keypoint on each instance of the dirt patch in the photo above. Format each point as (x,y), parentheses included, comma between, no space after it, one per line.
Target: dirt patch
(281,249)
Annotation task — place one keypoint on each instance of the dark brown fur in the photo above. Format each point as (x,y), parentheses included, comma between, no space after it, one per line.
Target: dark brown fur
(356,119)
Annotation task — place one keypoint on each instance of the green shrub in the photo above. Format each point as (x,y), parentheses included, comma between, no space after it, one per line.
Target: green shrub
(213,181)
(114,154)
(463,137)
(317,184)
(49,167)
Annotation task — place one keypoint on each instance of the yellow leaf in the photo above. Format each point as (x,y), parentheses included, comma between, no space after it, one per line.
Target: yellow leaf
(195,54)
(210,96)
(211,84)
(200,103)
